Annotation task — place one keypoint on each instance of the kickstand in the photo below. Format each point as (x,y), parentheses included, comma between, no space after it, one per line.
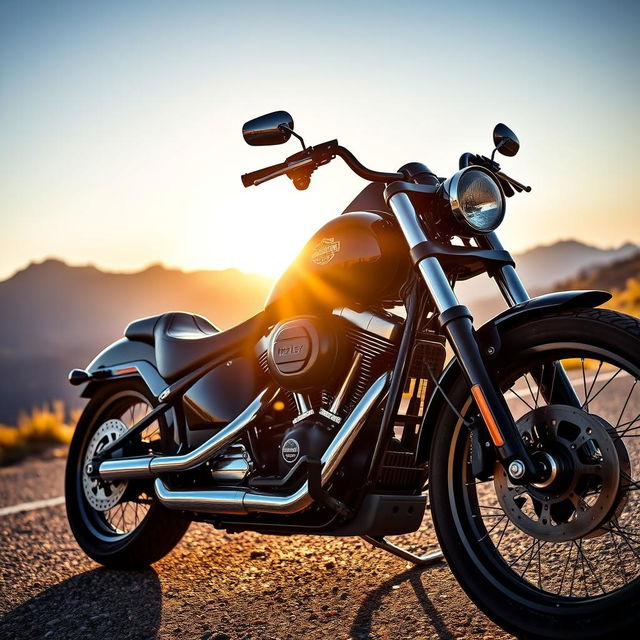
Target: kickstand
(383,543)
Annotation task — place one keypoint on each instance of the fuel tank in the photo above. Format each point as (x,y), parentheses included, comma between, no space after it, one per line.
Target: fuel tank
(356,259)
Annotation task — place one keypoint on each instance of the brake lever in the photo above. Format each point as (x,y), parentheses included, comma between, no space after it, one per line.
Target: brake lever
(518,186)
(508,183)
(506,187)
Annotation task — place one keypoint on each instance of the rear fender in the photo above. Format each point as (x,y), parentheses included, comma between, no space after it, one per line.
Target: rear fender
(488,337)
(125,358)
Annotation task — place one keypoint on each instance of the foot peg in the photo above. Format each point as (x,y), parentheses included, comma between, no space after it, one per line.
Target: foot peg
(425,560)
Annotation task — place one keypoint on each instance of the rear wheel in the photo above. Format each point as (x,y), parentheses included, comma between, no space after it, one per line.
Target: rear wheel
(118,524)
(559,559)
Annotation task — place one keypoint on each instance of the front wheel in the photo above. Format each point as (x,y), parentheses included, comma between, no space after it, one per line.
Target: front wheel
(118,524)
(558,559)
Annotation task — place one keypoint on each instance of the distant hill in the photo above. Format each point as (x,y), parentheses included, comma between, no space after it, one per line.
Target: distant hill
(543,266)
(555,267)
(610,277)
(54,317)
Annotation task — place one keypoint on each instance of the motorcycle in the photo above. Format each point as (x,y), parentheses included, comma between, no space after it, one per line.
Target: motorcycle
(331,412)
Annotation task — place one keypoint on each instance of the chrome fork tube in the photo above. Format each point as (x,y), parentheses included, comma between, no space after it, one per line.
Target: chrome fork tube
(507,279)
(514,292)
(430,269)
(457,322)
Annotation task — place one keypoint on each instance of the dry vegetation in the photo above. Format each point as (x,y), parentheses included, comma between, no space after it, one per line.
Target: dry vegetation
(627,299)
(36,431)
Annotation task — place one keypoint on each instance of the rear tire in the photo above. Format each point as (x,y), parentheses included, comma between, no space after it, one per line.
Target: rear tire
(125,543)
(526,605)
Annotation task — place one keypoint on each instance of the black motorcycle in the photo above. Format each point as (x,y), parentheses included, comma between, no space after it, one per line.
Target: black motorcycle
(331,412)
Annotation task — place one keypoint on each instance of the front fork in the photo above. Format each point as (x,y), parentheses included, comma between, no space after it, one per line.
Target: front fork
(457,323)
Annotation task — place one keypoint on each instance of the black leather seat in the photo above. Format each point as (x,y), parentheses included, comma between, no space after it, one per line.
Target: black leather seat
(142,330)
(185,341)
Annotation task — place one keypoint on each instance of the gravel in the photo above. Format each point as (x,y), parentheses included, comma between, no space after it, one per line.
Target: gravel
(216,586)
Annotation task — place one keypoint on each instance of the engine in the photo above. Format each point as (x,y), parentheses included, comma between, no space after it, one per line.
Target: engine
(324,364)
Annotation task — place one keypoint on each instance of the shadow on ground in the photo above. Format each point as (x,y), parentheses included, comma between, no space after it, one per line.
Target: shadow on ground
(361,626)
(96,604)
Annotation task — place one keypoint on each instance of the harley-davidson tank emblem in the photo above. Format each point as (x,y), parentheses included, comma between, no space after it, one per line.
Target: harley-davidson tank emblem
(325,250)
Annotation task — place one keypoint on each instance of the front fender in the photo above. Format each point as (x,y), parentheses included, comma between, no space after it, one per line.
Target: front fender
(488,336)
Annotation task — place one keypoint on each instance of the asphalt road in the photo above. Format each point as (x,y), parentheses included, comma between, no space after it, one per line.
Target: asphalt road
(216,586)
(213,585)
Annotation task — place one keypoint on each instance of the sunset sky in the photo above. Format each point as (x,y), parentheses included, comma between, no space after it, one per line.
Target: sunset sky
(120,122)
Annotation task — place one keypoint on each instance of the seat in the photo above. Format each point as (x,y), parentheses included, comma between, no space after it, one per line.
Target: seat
(142,329)
(180,325)
(185,341)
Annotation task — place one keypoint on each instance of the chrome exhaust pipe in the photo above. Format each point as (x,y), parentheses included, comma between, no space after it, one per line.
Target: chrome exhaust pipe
(149,466)
(240,501)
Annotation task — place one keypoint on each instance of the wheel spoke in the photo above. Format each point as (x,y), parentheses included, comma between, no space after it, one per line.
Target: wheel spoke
(561,538)
(626,402)
(604,386)
(593,382)
(517,395)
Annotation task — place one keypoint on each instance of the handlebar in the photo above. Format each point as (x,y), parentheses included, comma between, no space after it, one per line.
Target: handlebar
(360,170)
(301,165)
(256,178)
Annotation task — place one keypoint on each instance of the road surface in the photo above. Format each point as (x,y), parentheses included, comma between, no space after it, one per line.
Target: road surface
(214,586)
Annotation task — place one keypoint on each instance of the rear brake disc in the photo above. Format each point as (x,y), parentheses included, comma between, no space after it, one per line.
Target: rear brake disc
(100,494)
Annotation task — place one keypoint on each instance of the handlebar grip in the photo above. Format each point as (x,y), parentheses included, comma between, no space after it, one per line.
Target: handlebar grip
(249,179)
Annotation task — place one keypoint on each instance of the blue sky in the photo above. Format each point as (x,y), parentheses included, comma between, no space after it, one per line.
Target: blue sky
(120,122)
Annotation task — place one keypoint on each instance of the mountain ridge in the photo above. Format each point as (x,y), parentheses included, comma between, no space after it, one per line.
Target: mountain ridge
(54,316)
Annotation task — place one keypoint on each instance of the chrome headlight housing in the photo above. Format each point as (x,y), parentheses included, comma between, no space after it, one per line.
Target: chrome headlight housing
(476,199)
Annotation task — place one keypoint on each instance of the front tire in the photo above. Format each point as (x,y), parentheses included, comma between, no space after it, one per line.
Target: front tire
(514,577)
(119,525)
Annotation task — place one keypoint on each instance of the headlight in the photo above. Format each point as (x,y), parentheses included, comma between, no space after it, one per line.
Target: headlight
(476,200)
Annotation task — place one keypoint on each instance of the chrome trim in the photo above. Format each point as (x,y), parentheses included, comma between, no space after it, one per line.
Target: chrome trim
(439,287)
(511,287)
(342,392)
(370,322)
(303,416)
(430,269)
(302,403)
(119,469)
(232,466)
(329,416)
(125,469)
(407,219)
(507,278)
(243,502)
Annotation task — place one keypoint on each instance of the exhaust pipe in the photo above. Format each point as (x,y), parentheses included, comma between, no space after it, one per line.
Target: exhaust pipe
(243,502)
(149,466)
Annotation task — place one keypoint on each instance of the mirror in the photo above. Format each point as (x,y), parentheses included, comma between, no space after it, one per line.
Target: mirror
(266,130)
(505,141)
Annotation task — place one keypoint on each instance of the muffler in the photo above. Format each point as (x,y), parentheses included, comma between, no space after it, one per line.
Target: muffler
(240,501)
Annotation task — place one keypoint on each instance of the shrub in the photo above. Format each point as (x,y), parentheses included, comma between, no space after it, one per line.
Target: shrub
(36,431)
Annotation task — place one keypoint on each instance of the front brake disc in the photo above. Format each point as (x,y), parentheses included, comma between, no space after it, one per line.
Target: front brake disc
(583,489)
